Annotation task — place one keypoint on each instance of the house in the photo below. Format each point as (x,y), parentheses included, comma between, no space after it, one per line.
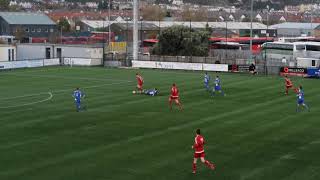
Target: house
(123,30)
(150,29)
(240,28)
(26,25)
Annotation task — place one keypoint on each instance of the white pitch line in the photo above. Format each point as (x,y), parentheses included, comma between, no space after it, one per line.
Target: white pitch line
(51,94)
(27,95)
(62,90)
(31,103)
(63,77)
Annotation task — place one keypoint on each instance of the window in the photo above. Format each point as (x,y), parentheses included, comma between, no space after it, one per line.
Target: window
(312,47)
(39,30)
(279,46)
(12,54)
(313,63)
(9,54)
(300,47)
(48,53)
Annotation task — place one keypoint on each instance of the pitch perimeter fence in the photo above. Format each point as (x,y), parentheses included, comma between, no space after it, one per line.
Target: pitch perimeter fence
(64,61)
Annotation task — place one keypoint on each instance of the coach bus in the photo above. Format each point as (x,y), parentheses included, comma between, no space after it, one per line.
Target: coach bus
(283,50)
(240,43)
(291,51)
(147,46)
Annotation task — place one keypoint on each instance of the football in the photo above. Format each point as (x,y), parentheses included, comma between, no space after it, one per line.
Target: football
(133,92)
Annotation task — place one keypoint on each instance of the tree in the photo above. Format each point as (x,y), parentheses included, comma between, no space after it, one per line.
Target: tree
(19,34)
(153,13)
(182,41)
(104,4)
(194,15)
(64,25)
(54,37)
(4,4)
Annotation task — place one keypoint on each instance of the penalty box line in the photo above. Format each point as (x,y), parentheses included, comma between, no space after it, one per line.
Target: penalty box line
(50,93)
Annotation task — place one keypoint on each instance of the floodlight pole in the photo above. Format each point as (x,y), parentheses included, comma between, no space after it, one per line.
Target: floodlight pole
(251,19)
(103,41)
(135,30)
(311,19)
(109,8)
(265,48)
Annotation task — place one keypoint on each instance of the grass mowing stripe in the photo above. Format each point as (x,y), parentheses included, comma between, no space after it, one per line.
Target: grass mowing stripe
(70,78)
(193,105)
(139,138)
(75,139)
(30,103)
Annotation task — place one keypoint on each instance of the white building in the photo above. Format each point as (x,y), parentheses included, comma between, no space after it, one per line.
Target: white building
(7,53)
(90,53)
(177,2)
(13,3)
(92,5)
(25,5)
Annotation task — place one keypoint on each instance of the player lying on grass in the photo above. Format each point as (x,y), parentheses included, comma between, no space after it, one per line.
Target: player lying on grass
(150,92)
(217,87)
(174,97)
(78,95)
(198,147)
(300,100)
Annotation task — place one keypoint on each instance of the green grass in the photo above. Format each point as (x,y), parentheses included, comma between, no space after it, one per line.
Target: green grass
(253,133)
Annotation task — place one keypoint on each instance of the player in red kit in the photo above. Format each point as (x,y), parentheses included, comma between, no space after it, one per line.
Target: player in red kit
(174,97)
(139,83)
(288,84)
(199,152)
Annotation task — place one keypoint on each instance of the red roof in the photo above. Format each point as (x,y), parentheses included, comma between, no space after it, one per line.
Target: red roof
(242,39)
(151,40)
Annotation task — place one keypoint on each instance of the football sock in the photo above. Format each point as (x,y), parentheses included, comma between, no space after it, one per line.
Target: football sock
(208,164)
(194,167)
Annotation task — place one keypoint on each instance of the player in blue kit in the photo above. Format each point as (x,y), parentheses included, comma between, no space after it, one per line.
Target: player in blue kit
(300,100)
(151,92)
(206,81)
(217,87)
(78,95)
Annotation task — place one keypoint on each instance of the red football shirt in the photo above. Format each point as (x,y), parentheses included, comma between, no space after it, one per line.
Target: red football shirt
(174,92)
(139,79)
(198,144)
(288,82)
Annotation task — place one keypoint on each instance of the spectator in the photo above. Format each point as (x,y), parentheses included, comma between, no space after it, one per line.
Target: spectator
(284,60)
(252,69)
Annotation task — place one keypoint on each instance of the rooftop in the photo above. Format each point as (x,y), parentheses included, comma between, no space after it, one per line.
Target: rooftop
(165,24)
(295,25)
(24,18)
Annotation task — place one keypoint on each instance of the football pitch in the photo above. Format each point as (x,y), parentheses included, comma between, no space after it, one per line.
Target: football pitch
(253,133)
